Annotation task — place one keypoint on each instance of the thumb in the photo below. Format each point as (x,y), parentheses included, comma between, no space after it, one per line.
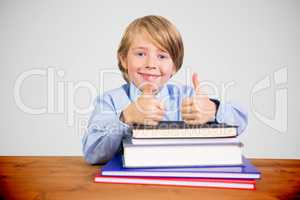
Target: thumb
(196,84)
(148,89)
(162,105)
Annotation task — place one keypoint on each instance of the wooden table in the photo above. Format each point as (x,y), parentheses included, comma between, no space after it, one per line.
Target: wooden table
(71,178)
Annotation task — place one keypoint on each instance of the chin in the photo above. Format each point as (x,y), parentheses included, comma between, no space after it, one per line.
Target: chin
(141,83)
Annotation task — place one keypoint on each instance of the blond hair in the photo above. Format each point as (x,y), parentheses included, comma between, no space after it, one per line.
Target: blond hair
(161,31)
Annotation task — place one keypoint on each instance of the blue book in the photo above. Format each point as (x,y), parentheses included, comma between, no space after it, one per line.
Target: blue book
(245,171)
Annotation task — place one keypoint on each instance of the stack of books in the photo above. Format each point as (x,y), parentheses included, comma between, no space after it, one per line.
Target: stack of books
(174,153)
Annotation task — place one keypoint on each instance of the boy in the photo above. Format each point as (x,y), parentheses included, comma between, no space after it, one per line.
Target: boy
(150,53)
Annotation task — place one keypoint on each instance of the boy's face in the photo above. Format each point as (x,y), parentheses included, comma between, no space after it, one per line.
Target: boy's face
(146,63)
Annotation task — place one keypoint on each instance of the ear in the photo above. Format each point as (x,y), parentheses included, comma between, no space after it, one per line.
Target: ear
(174,70)
(123,61)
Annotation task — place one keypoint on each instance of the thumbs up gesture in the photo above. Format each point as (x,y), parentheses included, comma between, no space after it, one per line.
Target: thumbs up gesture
(197,109)
(145,110)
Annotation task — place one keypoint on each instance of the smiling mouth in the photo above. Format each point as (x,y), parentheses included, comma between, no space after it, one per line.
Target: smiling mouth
(149,77)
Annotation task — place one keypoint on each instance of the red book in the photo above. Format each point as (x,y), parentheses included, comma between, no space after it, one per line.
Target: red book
(247,184)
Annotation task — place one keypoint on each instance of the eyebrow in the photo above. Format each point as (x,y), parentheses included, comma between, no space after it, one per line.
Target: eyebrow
(145,48)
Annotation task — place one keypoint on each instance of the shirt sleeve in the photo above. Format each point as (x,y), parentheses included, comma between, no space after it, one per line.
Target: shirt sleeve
(229,113)
(104,133)
(232,114)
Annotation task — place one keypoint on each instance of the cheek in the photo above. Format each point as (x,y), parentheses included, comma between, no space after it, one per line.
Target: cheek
(134,64)
(168,70)
(132,67)
(131,72)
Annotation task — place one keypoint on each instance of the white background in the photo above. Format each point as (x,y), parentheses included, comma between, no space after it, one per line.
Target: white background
(225,41)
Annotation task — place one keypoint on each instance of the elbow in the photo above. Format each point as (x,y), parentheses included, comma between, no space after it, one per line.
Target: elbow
(90,155)
(91,160)
(96,154)
(98,148)
(91,149)
(94,159)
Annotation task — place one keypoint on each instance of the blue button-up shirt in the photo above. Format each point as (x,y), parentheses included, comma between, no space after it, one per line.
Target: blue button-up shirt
(105,130)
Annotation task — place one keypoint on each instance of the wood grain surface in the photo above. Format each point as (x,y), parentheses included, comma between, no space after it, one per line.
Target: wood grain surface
(71,178)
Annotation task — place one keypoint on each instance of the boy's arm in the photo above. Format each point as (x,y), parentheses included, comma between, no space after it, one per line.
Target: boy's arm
(104,133)
(232,114)
(228,113)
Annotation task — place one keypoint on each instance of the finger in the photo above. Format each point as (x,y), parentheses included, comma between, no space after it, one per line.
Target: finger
(156,118)
(192,122)
(196,84)
(149,89)
(155,104)
(187,101)
(153,109)
(188,116)
(149,104)
(160,105)
(159,112)
(150,122)
(187,109)
(201,120)
(204,106)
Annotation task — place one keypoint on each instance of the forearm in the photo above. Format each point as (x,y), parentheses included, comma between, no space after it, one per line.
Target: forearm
(103,139)
(233,115)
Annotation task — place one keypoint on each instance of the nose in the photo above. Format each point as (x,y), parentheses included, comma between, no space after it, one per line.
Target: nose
(151,63)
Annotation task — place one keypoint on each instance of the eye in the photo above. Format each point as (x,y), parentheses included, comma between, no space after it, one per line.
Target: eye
(162,56)
(140,54)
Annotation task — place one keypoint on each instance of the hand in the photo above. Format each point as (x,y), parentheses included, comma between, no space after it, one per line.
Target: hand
(145,110)
(197,109)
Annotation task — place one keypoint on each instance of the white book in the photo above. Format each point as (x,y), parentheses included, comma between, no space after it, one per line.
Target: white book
(181,155)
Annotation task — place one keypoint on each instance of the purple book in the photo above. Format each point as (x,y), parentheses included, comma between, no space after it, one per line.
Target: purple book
(245,171)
